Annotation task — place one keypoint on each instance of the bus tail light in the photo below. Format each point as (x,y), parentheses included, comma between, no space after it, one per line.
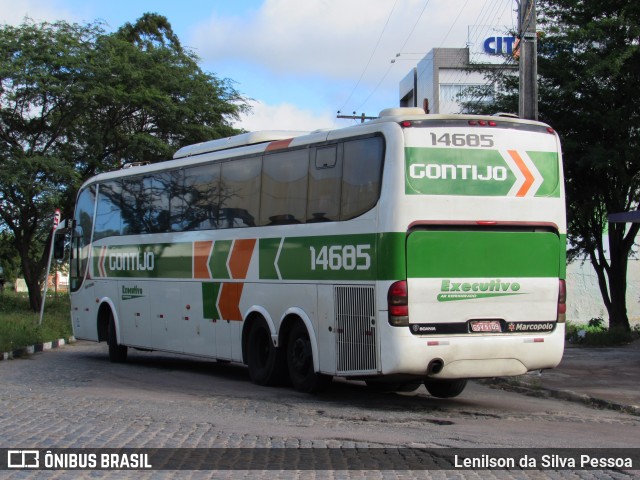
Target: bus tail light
(562,302)
(398,304)
(483,123)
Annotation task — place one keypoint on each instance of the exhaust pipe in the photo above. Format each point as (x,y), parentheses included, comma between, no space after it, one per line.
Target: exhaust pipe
(435,366)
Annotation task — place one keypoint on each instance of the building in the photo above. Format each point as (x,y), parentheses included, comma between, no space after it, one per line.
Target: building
(446,77)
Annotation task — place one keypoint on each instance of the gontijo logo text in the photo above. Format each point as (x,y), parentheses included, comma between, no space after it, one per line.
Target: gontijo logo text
(435,171)
(139,261)
(126,260)
(153,260)
(480,171)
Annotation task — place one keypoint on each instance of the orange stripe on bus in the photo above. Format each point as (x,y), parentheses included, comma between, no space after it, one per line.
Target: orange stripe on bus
(528,177)
(241,257)
(278,144)
(201,252)
(229,302)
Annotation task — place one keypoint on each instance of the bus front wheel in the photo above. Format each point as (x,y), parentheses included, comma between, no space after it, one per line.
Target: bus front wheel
(300,362)
(266,362)
(445,388)
(117,353)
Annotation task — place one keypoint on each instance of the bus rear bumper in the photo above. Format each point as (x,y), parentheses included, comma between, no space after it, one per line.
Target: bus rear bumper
(469,356)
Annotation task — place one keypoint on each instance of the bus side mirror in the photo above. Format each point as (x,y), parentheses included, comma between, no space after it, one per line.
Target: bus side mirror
(58,247)
(60,233)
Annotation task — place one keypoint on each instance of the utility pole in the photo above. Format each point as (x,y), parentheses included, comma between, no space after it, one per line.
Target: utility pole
(528,105)
(362,117)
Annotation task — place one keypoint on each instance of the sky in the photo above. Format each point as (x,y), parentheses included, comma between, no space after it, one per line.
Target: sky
(298,61)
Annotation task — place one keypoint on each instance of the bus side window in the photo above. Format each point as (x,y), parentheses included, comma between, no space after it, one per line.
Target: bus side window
(361,176)
(81,236)
(284,187)
(323,204)
(201,198)
(108,214)
(163,202)
(134,207)
(240,193)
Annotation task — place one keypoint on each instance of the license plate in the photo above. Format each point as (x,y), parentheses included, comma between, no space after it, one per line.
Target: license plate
(485,326)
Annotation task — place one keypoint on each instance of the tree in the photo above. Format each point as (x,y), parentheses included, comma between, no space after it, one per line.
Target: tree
(9,260)
(589,68)
(76,101)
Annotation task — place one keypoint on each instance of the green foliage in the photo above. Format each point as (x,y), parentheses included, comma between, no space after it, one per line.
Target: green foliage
(596,323)
(595,334)
(76,101)
(9,259)
(19,325)
(588,71)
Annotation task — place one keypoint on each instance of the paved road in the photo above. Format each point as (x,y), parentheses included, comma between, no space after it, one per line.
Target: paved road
(73,397)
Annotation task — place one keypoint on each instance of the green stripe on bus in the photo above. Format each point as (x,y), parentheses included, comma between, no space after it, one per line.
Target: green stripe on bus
(391,256)
(354,257)
(563,256)
(483,254)
(209,299)
(218,262)
(547,164)
(331,257)
(268,248)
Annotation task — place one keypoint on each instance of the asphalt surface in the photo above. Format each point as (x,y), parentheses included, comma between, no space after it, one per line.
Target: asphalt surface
(605,377)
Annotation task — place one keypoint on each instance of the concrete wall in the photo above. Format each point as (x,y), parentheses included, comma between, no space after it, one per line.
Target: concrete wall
(584,300)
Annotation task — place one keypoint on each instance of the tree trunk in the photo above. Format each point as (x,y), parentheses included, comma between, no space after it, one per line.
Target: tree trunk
(617,309)
(619,249)
(33,285)
(32,270)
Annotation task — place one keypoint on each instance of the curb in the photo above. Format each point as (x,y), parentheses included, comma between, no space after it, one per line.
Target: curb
(523,386)
(39,347)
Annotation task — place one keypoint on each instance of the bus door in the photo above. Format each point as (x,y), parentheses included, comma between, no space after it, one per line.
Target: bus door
(134,315)
(166,317)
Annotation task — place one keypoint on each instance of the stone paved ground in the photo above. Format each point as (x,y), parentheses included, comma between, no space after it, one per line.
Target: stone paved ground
(73,397)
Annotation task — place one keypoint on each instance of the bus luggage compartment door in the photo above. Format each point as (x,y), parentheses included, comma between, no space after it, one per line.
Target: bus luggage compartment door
(483,280)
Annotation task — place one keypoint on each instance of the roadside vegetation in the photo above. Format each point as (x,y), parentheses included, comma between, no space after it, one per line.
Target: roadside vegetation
(19,325)
(596,334)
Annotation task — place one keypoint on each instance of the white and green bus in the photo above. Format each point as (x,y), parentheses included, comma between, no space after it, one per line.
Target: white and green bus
(405,250)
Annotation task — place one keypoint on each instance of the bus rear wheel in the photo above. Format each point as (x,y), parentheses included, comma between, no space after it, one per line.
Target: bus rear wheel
(300,362)
(117,353)
(445,388)
(267,364)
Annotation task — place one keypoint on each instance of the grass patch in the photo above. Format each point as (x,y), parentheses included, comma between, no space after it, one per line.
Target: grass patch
(19,325)
(595,334)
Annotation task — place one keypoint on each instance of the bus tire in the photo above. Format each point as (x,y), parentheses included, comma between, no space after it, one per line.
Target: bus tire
(445,388)
(300,362)
(267,364)
(408,387)
(117,353)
